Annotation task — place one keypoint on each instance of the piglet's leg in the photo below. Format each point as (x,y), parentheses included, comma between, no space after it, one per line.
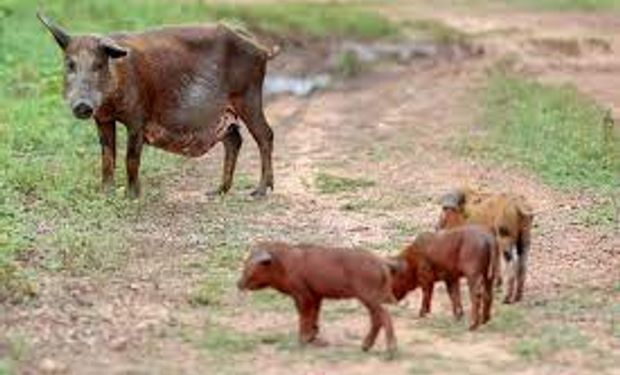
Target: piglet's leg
(308,310)
(487,300)
(475,294)
(427,296)
(454,291)
(389,332)
(521,270)
(314,323)
(376,321)
(511,280)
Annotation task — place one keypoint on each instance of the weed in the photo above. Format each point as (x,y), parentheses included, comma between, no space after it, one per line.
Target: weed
(15,285)
(208,292)
(271,300)
(446,325)
(550,340)
(224,340)
(348,64)
(508,319)
(331,184)
(437,31)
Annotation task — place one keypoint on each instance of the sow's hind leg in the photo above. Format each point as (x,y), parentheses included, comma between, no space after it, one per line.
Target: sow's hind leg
(250,107)
(232,140)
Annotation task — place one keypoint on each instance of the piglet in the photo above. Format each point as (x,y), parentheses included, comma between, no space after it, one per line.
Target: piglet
(469,251)
(310,273)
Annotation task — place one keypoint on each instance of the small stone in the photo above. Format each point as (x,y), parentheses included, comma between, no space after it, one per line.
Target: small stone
(50,366)
(119,344)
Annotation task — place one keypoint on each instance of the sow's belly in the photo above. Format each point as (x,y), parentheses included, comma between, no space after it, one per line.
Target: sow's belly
(188,140)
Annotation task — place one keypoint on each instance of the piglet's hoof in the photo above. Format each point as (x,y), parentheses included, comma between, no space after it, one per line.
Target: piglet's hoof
(319,343)
(391,354)
(217,192)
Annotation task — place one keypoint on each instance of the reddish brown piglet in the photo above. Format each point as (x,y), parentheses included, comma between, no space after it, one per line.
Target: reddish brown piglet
(448,255)
(311,273)
(508,216)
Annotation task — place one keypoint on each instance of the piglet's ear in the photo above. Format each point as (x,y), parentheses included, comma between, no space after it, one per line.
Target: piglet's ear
(454,199)
(113,49)
(260,256)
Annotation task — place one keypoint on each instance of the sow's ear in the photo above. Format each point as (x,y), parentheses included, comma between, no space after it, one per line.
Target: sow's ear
(62,37)
(261,256)
(112,49)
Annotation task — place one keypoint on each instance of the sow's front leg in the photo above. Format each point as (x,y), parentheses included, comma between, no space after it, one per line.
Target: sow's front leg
(135,141)
(107,138)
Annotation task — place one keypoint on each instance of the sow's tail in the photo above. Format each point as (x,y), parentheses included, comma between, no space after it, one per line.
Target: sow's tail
(275,51)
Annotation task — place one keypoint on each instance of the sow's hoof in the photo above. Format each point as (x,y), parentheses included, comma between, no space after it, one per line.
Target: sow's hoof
(259,192)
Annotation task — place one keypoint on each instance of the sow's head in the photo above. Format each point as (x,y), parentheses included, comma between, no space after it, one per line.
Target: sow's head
(87,62)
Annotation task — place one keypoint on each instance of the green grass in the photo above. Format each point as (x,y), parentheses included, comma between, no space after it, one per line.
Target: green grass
(327,183)
(553,130)
(220,339)
(550,340)
(331,19)
(437,31)
(588,5)
(12,350)
(50,206)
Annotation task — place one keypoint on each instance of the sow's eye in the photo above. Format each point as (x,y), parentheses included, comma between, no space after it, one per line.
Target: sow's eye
(70,66)
(98,66)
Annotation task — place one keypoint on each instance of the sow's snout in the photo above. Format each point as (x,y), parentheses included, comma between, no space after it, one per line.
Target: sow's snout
(82,109)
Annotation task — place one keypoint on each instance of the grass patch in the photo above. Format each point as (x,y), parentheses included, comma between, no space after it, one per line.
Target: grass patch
(589,5)
(331,19)
(615,320)
(553,130)
(446,325)
(604,214)
(15,285)
(405,229)
(209,292)
(224,340)
(12,351)
(548,341)
(437,31)
(507,319)
(271,300)
(348,64)
(331,184)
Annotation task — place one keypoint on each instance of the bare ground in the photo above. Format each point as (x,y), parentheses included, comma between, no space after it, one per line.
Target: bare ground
(172,307)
